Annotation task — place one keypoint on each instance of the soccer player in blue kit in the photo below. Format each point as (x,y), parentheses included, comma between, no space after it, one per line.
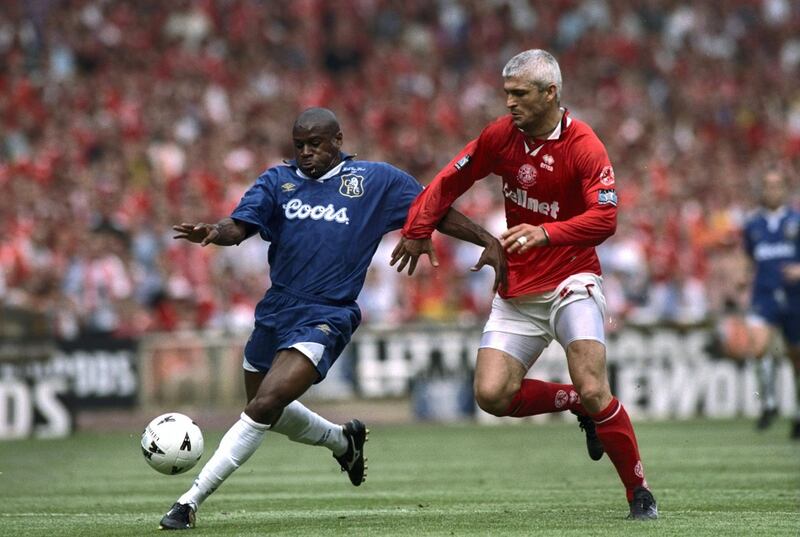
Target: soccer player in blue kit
(772,241)
(324,215)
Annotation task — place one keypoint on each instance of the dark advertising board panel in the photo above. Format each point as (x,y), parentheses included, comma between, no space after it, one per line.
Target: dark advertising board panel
(43,382)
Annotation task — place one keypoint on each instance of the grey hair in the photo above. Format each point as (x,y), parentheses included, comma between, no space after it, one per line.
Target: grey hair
(538,66)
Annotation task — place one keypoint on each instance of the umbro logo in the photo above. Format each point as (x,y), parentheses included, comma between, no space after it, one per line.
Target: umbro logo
(324,328)
(288,187)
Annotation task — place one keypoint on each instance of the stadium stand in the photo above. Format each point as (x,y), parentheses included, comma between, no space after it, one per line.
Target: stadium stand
(117,123)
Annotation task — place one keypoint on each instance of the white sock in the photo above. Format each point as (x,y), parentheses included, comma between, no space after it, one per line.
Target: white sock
(306,427)
(234,449)
(765,370)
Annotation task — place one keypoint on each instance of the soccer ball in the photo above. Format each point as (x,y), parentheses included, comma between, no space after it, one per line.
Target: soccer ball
(172,443)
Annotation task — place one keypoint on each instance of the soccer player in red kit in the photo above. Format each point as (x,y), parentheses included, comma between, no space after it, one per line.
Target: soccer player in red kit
(560,203)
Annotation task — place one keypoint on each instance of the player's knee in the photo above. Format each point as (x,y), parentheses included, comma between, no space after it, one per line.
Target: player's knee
(265,408)
(587,365)
(595,395)
(494,407)
(493,399)
(593,392)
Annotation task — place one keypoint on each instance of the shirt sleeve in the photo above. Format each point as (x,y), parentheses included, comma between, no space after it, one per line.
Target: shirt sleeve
(599,220)
(257,205)
(402,192)
(473,163)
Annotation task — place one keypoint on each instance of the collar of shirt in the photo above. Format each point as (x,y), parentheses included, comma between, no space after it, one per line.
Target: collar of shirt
(773,218)
(555,134)
(332,172)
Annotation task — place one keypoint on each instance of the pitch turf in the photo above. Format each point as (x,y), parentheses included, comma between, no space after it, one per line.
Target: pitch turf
(715,478)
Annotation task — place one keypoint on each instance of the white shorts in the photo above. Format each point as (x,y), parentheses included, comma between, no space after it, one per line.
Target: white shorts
(523,326)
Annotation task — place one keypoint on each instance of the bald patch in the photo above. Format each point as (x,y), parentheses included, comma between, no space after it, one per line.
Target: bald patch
(320,119)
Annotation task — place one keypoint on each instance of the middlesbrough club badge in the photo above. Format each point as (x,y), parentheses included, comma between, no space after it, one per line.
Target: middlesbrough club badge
(526,175)
(607,176)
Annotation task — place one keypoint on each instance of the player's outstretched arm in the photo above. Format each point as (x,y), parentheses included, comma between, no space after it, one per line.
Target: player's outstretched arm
(226,232)
(459,226)
(407,251)
(456,225)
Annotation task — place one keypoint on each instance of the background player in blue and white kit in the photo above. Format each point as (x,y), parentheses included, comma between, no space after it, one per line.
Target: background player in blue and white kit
(324,215)
(772,241)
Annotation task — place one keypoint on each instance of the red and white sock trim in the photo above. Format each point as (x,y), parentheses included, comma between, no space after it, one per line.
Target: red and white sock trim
(613,414)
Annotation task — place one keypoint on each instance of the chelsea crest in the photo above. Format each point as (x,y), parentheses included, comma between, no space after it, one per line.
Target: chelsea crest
(352,186)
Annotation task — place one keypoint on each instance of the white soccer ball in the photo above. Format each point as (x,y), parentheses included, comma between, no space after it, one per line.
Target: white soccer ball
(172,443)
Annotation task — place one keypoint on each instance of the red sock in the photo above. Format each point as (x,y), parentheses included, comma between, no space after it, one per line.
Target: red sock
(615,431)
(539,397)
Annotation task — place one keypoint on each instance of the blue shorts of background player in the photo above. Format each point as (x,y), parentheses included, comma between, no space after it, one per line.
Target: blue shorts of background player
(779,310)
(318,330)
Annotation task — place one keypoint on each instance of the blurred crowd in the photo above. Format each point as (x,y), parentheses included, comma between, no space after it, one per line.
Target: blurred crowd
(119,119)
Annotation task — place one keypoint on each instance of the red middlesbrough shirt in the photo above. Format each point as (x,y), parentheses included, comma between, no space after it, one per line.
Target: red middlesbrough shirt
(564,183)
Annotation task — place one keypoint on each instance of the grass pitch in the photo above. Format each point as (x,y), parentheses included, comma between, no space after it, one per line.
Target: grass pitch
(711,478)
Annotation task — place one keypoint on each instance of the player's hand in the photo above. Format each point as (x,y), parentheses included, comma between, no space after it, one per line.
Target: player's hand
(494,256)
(791,272)
(204,234)
(522,238)
(408,251)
